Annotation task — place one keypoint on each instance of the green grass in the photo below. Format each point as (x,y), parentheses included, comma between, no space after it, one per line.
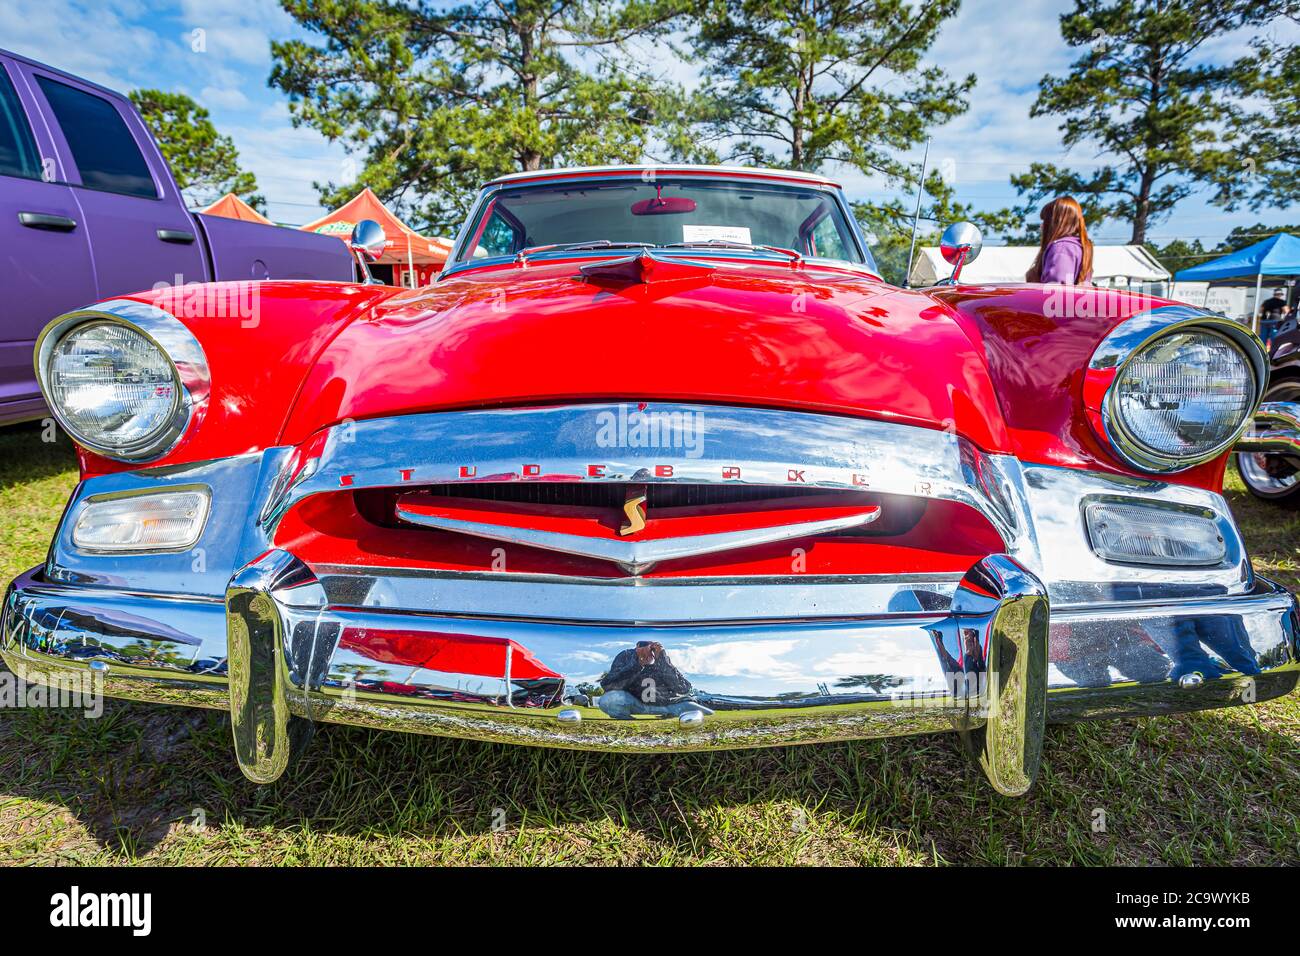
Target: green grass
(1221,787)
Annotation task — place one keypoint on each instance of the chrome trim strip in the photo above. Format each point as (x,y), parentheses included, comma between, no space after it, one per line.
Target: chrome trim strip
(1138,331)
(636,557)
(172,338)
(660,601)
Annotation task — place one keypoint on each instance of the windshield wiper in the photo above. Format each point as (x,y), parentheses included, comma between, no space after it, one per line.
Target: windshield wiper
(794,255)
(521,257)
(606,244)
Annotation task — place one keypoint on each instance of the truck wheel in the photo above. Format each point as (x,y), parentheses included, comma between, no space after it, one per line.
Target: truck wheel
(1273,478)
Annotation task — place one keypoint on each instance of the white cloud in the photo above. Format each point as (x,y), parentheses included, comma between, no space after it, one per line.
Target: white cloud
(286,162)
(226,98)
(96,40)
(237,29)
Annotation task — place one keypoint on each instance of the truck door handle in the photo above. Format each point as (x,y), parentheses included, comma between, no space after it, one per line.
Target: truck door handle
(176,235)
(44,220)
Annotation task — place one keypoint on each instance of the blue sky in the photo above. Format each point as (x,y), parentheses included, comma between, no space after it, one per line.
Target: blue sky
(125,44)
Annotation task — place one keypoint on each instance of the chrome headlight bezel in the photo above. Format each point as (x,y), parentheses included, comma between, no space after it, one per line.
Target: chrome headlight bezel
(1129,339)
(173,340)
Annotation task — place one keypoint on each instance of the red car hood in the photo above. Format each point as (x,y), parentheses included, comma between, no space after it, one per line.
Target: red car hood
(738,333)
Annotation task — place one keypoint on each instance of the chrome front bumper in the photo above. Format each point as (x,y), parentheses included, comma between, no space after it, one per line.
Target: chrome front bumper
(1047,631)
(982,656)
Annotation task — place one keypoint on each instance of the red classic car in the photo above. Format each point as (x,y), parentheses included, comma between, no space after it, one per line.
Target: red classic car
(659,463)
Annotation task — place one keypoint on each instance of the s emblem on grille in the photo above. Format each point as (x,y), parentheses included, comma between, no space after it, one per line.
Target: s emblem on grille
(634,509)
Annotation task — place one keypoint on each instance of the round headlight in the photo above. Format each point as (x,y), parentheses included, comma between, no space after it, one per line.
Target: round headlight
(1182,398)
(114,390)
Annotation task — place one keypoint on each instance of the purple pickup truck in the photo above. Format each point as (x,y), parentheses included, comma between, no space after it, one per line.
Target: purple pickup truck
(89,210)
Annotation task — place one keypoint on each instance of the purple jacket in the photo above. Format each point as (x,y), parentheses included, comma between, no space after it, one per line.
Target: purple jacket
(1061,261)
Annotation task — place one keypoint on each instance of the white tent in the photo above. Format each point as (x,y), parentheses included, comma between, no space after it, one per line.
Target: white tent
(1112,266)
(1237,302)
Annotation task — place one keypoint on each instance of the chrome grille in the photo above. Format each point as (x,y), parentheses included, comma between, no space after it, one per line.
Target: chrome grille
(899,514)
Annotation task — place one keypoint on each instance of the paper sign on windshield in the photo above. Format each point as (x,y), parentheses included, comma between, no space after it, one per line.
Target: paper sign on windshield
(725,233)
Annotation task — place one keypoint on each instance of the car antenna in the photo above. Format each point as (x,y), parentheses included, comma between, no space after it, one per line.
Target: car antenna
(920,191)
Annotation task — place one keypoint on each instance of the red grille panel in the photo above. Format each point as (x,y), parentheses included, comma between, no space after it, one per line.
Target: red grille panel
(911,535)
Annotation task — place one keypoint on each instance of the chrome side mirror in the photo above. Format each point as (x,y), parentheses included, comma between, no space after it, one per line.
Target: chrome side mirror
(367,243)
(961,243)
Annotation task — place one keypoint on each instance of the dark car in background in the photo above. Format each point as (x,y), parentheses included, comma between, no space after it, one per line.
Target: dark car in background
(89,210)
(1275,476)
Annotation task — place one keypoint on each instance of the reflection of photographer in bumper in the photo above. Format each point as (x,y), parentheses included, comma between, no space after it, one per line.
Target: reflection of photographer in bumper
(642,680)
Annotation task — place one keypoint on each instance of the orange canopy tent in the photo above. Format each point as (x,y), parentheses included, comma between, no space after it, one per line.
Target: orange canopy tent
(232,207)
(407,251)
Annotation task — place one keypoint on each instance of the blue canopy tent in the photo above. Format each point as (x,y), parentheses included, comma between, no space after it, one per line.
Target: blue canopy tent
(1276,256)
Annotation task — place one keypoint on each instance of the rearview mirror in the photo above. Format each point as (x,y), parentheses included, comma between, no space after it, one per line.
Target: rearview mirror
(663,206)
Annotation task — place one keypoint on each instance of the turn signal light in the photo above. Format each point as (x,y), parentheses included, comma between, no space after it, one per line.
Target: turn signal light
(1135,533)
(163,521)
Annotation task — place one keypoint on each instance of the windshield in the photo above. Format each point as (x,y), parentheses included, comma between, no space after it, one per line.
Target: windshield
(669,211)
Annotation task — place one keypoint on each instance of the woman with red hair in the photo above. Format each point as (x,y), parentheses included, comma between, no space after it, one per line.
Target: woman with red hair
(1064,249)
